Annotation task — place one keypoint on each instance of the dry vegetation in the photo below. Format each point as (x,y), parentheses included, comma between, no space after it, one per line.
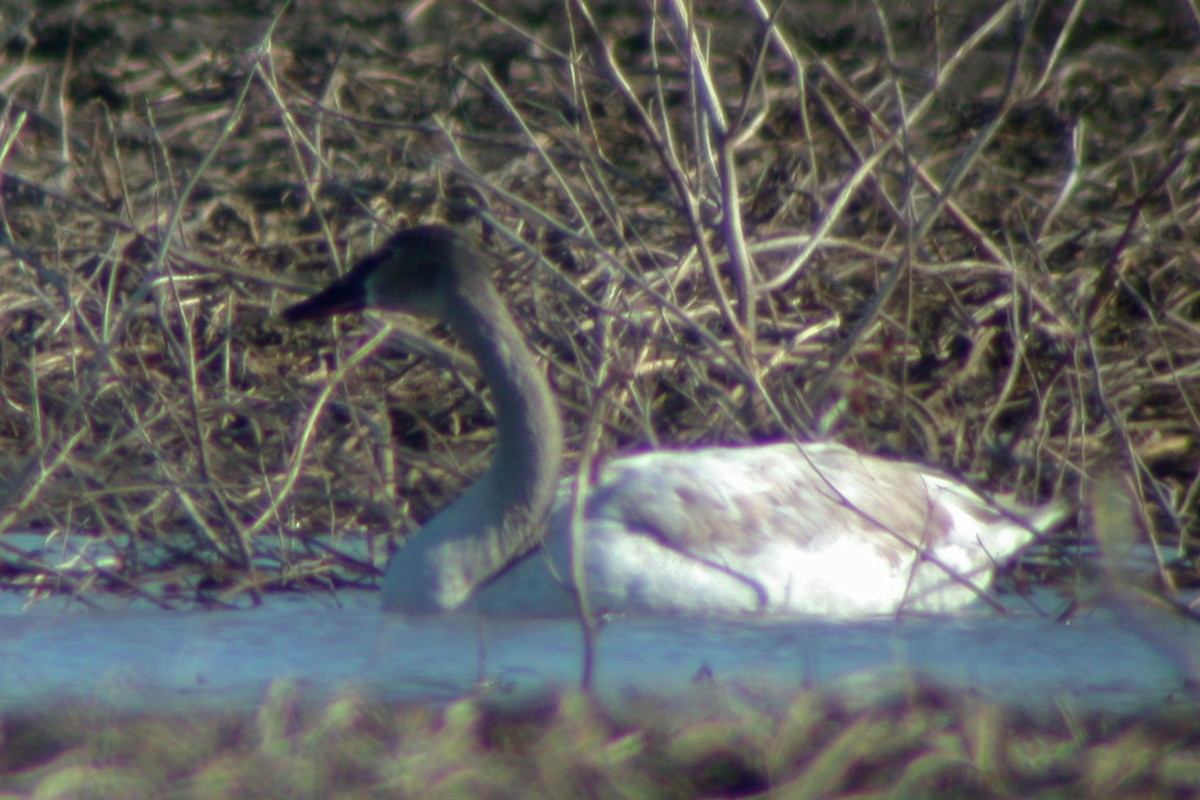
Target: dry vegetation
(923,745)
(962,235)
(965,238)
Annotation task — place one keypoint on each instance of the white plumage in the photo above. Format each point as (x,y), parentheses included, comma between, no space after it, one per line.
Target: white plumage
(758,531)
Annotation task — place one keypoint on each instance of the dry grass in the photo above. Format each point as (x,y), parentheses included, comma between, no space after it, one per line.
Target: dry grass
(925,743)
(967,239)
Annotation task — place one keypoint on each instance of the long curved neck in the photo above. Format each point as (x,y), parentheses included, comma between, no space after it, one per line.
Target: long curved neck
(525,468)
(503,515)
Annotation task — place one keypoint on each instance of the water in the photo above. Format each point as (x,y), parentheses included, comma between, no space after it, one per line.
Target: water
(134,658)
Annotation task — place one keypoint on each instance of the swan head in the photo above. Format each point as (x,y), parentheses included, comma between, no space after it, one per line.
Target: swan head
(418,271)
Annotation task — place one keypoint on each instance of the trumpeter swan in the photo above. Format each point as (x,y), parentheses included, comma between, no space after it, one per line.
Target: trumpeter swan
(779,529)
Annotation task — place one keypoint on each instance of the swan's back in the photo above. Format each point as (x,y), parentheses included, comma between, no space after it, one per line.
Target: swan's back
(815,530)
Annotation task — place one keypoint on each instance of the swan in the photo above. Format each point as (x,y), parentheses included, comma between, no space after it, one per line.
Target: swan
(785,529)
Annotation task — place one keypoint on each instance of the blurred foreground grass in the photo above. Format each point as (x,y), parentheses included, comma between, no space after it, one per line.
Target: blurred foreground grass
(925,743)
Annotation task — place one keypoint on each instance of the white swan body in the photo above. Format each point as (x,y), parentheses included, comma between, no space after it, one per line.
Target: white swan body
(763,531)
(777,530)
